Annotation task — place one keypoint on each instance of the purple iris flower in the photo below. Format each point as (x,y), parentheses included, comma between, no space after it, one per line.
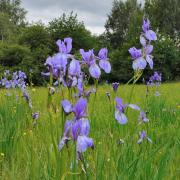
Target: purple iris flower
(74,68)
(67,106)
(22,75)
(120,110)
(3,81)
(79,108)
(89,59)
(80,127)
(16,79)
(35,115)
(143,136)
(134,106)
(104,63)
(80,85)
(115,86)
(27,97)
(65,46)
(155,79)
(138,61)
(67,134)
(68,128)
(149,34)
(119,113)
(135,53)
(142,40)
(57,64)
(8,84)
(60,61)
(148,49)
(142,117)
(142,57)
(83,142)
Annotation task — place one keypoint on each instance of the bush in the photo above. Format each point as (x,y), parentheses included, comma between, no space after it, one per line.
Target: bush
(15,56)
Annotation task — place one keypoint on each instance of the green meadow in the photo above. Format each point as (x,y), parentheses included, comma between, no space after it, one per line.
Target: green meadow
(30,152)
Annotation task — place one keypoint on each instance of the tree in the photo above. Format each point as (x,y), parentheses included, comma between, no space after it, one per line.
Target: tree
(165,15)
(69,26)
(14,10)
(15,57)
(35,36)
(38,39)
(7,28)
(122,15)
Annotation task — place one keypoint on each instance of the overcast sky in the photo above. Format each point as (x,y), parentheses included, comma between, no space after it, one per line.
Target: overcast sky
(92,12)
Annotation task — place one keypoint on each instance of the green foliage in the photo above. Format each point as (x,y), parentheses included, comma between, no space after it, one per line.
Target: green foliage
(69,26)
(120,19)
(14,10)
(7,28)
(35,36)
(167,58)
(123,28)
(15,57)
(164,15)
(121,65)
(38,39)
(27,151)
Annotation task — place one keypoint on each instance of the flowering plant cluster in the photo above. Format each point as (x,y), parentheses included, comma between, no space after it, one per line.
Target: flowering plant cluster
(143,56)
(78,128)
(64,69)
(67,70)
(154,80)
(17,79)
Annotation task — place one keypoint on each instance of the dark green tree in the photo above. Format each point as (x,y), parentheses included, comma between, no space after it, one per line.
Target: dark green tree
(69,26)
(38,39)
(122,16)
(164,15)
(15,57)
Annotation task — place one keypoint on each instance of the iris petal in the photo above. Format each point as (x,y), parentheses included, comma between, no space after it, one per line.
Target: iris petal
(151,35)
(105,65)
(95,71)
(139,63)
(150,61)
(67,106)
(120,117)
(83,143)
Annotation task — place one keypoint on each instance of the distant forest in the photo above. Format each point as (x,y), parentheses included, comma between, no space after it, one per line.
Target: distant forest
(25,46)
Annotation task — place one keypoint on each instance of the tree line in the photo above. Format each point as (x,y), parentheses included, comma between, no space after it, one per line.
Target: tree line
(26,46)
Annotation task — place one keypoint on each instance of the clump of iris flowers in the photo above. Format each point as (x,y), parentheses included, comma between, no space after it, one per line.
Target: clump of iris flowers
(67,70)
(143,56)
(120,115)
(16,79)
(78,127)
(155,80)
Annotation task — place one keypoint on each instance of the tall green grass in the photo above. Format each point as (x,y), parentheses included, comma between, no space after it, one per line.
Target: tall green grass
(29,152)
